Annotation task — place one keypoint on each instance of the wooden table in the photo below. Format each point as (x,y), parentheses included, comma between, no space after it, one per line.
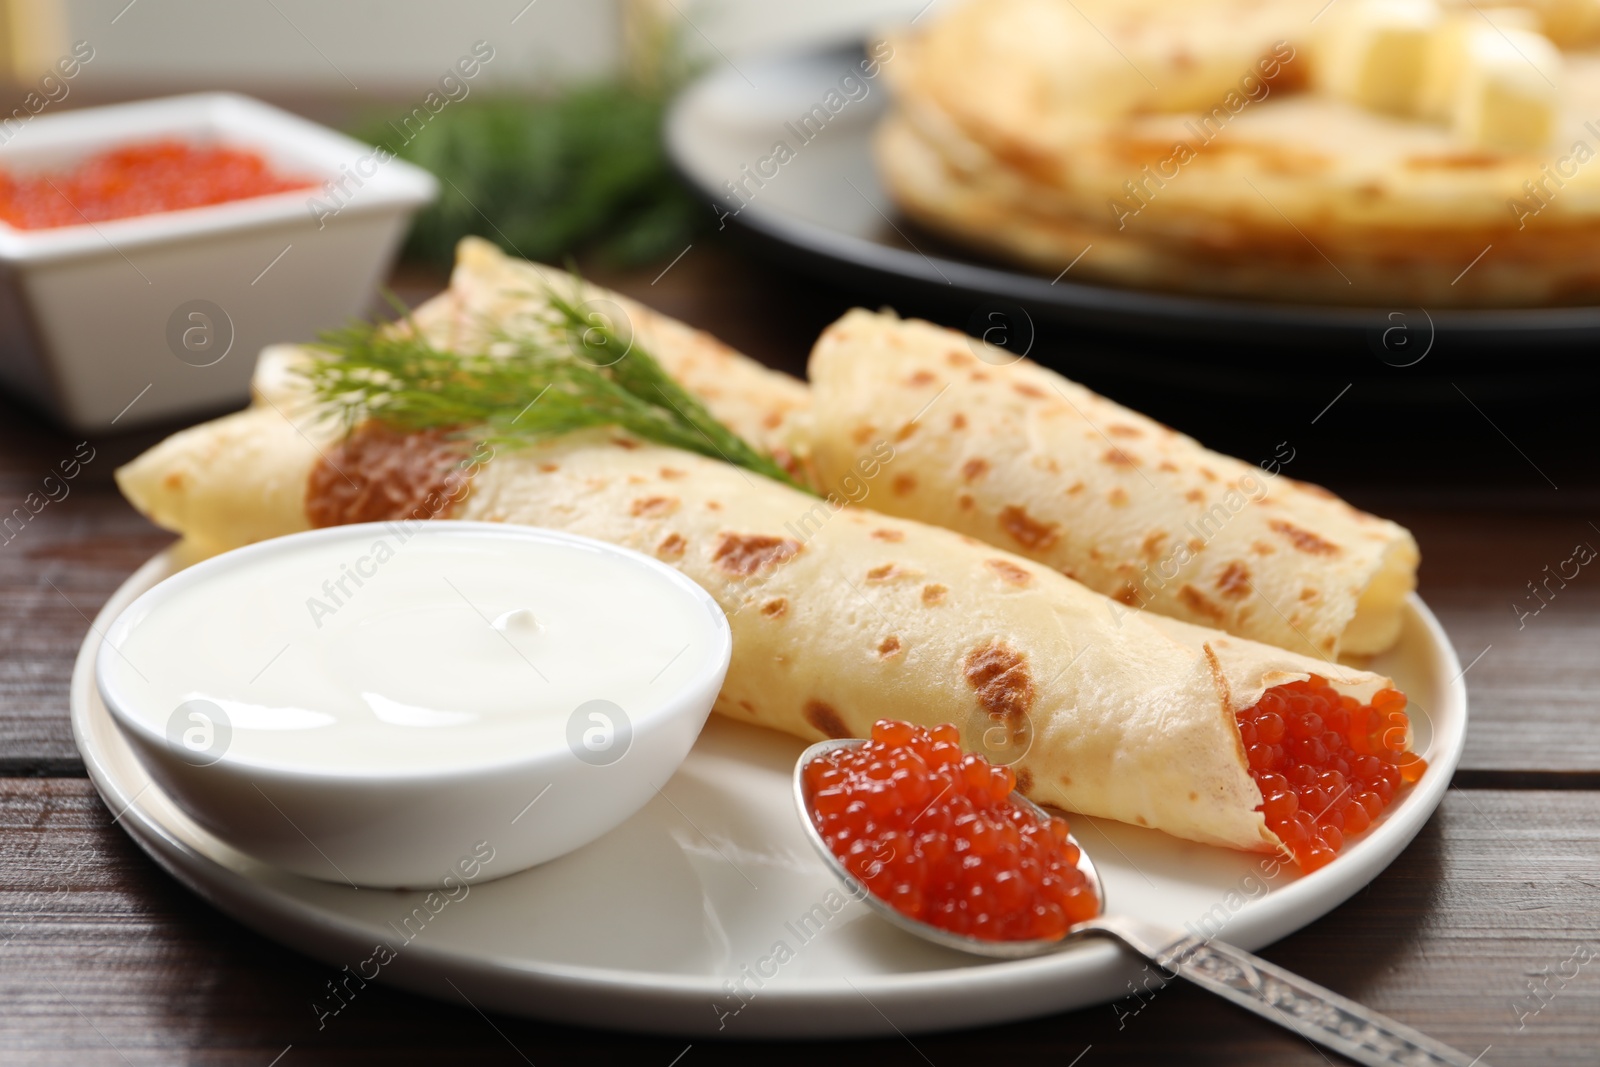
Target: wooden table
(105,959)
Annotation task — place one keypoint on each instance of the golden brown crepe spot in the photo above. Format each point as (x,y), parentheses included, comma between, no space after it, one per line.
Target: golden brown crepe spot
(1308,593)
(775,608)
(1261,548)
(1316,491)
(786,459)
(634,479)
(1066,780)
(671,546)
(672,474)
(1070,573)
(886,572)
(747,554)
(1047,463)
(1024,779)
(595,484)
(1075,488)
(888,535)
(964,501)
(1328,643)
(905,432)
(933,594)
(824,718)
(1305,540)
(1194,496)
(1200,604)
(958,421)
(904,484)
(1193,796)
(958,358)
(1168,466)
(1234,581)
(1026,530)
(1024,389)
(379,474)
(1009,572)
(1195,544)
(863,433)
(1129,594)
(625,442)
(173,480)
(1118,429)
(1467,160)
(772,420)
(1141,820)
(549,468)
(1150,547)
(978,376)
(713,505)
(747,706)
(1118,458)
(654,507)
(889,646)
(1208,474)
(999,675)
(973,469)
(922,377)
(1118,496)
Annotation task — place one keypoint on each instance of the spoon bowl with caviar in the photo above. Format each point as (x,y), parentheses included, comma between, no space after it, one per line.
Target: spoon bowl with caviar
(940,844)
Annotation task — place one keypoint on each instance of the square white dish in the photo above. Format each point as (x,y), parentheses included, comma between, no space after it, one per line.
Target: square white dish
(141,319)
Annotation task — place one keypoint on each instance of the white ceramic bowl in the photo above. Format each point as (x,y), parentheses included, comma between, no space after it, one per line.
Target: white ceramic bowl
(135,320)
(462,818)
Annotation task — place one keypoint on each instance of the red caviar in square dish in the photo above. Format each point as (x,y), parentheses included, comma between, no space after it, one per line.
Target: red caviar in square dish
(934,833)
(1327,765)
(139,179)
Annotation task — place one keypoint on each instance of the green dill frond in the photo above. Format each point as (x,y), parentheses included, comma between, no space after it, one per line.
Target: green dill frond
(522,389)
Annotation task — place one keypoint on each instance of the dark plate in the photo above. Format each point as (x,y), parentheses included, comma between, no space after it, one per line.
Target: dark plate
(824,211)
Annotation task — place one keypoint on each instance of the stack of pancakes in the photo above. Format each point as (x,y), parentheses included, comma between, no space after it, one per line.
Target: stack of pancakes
(1194,145)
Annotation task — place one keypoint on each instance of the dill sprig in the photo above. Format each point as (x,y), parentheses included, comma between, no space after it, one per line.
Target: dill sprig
(521,389)
(638,372)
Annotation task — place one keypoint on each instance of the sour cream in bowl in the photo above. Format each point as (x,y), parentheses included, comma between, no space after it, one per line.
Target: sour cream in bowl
(378,704)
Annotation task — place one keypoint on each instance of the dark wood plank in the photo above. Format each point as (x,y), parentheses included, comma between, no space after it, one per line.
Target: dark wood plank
(103,956)
(1531,688)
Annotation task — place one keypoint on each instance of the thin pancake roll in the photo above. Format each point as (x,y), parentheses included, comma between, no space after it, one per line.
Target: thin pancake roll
(1018,456)
(182,484)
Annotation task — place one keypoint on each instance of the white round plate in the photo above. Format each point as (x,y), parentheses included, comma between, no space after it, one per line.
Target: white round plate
(708,913)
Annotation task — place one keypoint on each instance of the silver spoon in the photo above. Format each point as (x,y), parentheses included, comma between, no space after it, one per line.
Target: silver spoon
(1309,1010)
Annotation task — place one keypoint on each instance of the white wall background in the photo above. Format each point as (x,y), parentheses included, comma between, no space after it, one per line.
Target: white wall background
(389,46)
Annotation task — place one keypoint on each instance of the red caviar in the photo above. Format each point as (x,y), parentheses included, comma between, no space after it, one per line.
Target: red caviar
(139,179)
(934,833)
(1327,765)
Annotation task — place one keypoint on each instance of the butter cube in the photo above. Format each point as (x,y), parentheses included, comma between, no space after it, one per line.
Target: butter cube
(1374,52)
(1510,90)
(1446,62)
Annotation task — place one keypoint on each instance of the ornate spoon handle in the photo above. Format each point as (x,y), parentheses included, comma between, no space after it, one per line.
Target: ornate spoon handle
(1315,1013)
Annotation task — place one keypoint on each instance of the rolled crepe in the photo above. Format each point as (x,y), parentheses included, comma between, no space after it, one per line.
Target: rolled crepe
(183,485)
(1018,456)
(840,616)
